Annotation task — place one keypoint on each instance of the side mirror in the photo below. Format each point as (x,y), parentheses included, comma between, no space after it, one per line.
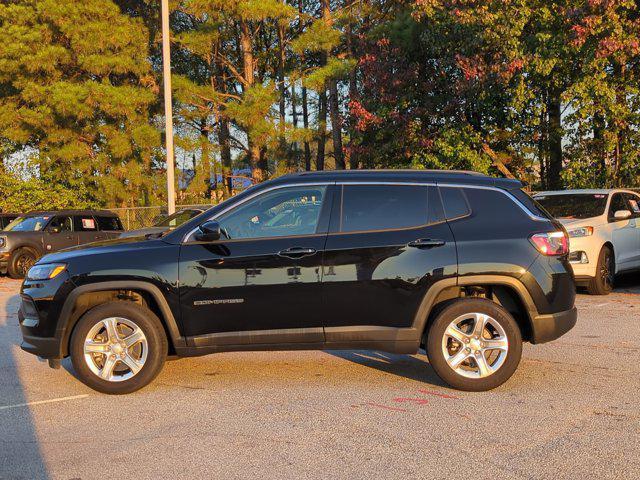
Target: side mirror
(208,232)
(622,214)
(54,229)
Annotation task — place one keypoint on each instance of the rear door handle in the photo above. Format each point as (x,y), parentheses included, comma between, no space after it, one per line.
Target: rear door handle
(426,243)
(296,252)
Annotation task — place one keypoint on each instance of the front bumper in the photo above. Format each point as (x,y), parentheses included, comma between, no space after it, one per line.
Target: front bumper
(551,326)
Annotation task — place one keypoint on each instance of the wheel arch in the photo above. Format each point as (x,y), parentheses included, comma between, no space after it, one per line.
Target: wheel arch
(85,297)
(509,292)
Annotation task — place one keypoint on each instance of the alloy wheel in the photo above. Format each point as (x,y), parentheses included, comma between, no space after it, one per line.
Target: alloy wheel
(115,349)
(24,263)
(607,269)
(475,345)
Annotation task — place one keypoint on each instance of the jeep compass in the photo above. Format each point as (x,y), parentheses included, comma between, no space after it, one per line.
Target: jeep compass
(463,265)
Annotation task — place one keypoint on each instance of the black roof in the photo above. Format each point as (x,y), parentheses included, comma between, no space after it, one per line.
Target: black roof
(106,213)
(437,176)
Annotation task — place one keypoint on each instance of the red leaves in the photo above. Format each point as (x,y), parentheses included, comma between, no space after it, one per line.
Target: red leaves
(364,118)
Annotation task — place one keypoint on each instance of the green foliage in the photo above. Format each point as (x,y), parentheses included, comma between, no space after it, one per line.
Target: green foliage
(21,196)
(76,85)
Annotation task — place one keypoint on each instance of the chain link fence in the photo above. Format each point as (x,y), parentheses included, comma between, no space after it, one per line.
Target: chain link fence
(142,217)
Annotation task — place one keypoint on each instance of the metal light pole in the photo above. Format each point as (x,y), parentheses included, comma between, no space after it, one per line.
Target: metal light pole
(168,111)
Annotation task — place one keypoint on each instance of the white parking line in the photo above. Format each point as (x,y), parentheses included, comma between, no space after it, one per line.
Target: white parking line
(40,402)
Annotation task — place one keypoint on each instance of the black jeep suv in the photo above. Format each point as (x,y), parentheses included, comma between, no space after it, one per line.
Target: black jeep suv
(35,234)
(466,266)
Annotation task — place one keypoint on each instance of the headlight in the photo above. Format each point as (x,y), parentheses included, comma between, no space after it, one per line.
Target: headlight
(581,232)
(3,241)
(46,271)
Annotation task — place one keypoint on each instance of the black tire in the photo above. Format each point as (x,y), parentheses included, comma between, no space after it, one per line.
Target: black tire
(150,325)
(435,347)
(20,262)
(602,283)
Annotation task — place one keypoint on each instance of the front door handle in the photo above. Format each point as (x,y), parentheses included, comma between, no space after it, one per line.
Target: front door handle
(296,252)
(426,243)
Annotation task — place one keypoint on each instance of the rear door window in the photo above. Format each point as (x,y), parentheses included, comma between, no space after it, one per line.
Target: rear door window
(455,202)
(108,223)
(85,223)
(383,207)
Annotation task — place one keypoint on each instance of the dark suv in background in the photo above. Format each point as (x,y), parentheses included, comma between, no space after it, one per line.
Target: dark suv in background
(461,264)
(29,237)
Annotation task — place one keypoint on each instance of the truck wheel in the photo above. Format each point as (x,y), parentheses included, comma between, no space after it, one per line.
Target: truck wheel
(20,262)
(474,345)
(602,283)
(118,347)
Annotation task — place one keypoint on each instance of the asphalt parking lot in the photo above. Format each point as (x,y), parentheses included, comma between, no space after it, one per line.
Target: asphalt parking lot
(570,411)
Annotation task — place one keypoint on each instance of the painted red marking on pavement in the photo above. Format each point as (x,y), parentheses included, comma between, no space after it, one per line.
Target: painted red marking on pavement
(419,401)
(384,406)
(438,394)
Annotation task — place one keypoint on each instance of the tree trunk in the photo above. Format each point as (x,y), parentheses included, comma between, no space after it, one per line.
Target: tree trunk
(555,140)
(353,96)
(334,102)
(322,129)
(282,142)
(258,173)
(305,124)
(224,138)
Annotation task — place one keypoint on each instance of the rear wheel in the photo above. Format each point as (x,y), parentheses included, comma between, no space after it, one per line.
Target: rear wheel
(118,347)
(602,283)
(20,262)
(474,344)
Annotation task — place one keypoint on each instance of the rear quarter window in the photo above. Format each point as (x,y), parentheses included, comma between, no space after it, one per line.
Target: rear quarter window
(455,202)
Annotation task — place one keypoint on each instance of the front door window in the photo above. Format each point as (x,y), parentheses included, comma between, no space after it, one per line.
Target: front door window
(285,212)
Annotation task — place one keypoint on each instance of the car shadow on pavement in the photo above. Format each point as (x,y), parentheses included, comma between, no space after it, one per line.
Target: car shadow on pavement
(20,454)
(401,365)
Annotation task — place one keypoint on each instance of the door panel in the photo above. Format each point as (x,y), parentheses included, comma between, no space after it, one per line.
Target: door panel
(265,275)
(633,202)
(376,278)
(62,238)
(246,286)
(624,233)
(86,228)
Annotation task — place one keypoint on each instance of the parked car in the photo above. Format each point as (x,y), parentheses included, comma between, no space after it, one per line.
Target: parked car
(7,218)
(462,264)
(604,232)
(166,224)
(35,234)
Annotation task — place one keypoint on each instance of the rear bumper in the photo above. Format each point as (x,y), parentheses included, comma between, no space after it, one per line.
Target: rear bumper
(551,326)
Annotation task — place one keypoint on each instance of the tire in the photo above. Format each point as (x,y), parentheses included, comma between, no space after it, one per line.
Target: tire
(20,262)
(147,355)
(602,283)
(499,328)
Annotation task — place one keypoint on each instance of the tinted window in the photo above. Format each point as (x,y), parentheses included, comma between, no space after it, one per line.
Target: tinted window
(617,203)
(63,224)
(530,203)
(279,213)
(108,223)
(383,207)
(455,202)
(85,223)
(574,205)
(633,203)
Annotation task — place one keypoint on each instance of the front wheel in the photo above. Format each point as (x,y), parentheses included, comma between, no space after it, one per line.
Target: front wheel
(474,345)
(118,347)
(20,262)
(602,283)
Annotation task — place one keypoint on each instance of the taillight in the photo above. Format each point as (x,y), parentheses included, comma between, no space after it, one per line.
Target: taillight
(551,243)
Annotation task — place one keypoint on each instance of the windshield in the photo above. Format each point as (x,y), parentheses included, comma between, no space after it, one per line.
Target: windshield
(178,218)
(575,205)
(28,224)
